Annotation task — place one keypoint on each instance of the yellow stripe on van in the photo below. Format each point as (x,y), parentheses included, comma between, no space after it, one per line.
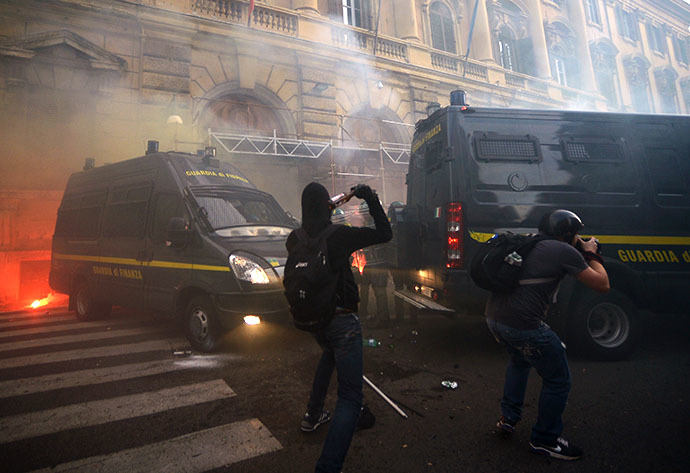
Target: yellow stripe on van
(134,262)
(612,239)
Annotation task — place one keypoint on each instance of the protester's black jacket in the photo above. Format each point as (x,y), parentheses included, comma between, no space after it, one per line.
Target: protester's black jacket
(344,241)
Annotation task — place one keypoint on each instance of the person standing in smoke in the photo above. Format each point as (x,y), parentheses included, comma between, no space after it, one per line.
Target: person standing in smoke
(517,322)
(398,275)
(341,339)
(374,275)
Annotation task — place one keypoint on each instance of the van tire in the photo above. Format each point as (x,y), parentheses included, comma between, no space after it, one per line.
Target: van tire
(201,325)
(604,326)
(86,307)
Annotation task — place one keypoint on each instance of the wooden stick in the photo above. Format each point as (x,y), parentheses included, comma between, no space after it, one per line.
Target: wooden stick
(385,398)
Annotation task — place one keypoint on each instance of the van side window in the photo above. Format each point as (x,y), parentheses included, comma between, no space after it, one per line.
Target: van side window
(592,150)
(80,216)
(670,176)
(433,155)
(166,206)
(125,212)
(494,147)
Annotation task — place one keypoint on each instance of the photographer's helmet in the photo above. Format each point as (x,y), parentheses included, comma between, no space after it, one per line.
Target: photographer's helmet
(562,224)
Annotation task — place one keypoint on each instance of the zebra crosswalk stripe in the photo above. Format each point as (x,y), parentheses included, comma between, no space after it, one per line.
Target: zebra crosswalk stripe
(196,452)
(17,322)
(104,335)
(74,325)
(83,353)
(50,382)
(86,414)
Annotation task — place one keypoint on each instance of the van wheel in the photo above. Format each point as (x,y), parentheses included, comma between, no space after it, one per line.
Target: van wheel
(201,324)
(604,326)
(85,307)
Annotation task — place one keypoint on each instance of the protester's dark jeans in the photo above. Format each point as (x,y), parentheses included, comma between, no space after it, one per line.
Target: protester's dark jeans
(342,349)
(543,350)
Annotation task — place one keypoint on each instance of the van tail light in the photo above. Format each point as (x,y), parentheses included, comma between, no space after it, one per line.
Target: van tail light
(454,226)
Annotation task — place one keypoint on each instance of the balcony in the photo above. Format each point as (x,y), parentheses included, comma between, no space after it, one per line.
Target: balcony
(317,29)
(263,18)
(365,41)
(444,62)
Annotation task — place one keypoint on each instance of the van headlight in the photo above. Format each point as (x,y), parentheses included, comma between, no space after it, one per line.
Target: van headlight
(246,269)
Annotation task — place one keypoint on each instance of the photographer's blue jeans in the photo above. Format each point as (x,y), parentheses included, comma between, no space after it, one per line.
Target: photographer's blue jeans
(543,350)
(341,342)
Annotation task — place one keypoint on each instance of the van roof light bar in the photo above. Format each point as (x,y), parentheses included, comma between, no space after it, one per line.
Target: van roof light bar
(151,146)
(209,158)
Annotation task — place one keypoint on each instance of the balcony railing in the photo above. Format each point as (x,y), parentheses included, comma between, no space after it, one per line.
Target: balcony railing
(265,18)
(477,71)
(443,62)
(364,41)
(515,81)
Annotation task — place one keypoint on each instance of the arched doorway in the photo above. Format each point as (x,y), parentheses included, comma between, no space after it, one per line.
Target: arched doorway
(243,124)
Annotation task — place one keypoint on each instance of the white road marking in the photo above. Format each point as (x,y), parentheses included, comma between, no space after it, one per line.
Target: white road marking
(64,327)
(15,322)
(84,337)
(86,414)
(37,384)
(70,355)
(196,452)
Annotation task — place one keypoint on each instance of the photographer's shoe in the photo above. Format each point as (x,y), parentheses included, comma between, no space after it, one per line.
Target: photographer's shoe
(505,427)
(311,423)
(366,419)
(563,450)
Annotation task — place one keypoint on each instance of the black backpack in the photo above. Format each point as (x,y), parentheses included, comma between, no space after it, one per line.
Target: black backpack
(497,263)
(310,282)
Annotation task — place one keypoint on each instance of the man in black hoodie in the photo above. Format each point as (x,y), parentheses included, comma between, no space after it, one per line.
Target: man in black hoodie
(341,339)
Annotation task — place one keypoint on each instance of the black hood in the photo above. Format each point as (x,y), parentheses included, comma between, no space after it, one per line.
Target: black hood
(316,211)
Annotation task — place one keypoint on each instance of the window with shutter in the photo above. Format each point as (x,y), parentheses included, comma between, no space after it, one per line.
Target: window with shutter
(593,12)
(442,27)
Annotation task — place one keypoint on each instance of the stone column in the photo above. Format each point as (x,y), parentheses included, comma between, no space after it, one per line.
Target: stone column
(542,65)
(482,40)
(307,6)
(576,10)
(406,20)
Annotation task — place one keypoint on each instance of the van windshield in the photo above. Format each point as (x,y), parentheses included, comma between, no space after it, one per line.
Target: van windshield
(236,214)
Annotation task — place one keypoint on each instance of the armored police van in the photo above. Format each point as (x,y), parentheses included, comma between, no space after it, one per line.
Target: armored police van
(475,172)
(174,233)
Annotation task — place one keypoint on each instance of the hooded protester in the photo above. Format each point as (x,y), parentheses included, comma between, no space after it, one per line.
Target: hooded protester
(341,339)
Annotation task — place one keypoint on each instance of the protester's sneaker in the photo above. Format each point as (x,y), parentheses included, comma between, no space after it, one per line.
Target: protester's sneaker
(505,427)
(366,419)
(310,423)
(562,450)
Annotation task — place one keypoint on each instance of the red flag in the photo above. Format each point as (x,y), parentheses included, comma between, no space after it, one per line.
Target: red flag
(251,10)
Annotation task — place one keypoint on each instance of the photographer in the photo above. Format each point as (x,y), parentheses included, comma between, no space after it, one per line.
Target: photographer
(517,322)
(341,338)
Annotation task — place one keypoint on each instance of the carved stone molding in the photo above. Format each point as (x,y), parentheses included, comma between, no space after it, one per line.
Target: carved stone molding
(636,70)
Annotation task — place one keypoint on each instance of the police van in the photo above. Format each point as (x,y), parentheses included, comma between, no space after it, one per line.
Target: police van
(475,172)
(175,233)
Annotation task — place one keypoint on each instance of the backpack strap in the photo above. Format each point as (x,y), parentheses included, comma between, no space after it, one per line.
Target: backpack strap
(304,237)
(527,247)
(528,282)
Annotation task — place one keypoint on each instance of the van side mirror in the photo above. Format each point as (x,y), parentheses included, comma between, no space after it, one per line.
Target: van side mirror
(178,232)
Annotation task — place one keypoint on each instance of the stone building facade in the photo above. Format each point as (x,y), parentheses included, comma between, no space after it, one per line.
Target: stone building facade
(301,90)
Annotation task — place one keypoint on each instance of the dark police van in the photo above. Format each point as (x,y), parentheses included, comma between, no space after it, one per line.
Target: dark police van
(173,233)
(475,172)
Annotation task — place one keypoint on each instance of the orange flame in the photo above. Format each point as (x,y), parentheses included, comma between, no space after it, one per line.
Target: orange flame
(359,261)
(50,298)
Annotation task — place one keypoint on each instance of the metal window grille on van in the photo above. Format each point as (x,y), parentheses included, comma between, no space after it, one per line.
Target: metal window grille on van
(592,150)
(495,147)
